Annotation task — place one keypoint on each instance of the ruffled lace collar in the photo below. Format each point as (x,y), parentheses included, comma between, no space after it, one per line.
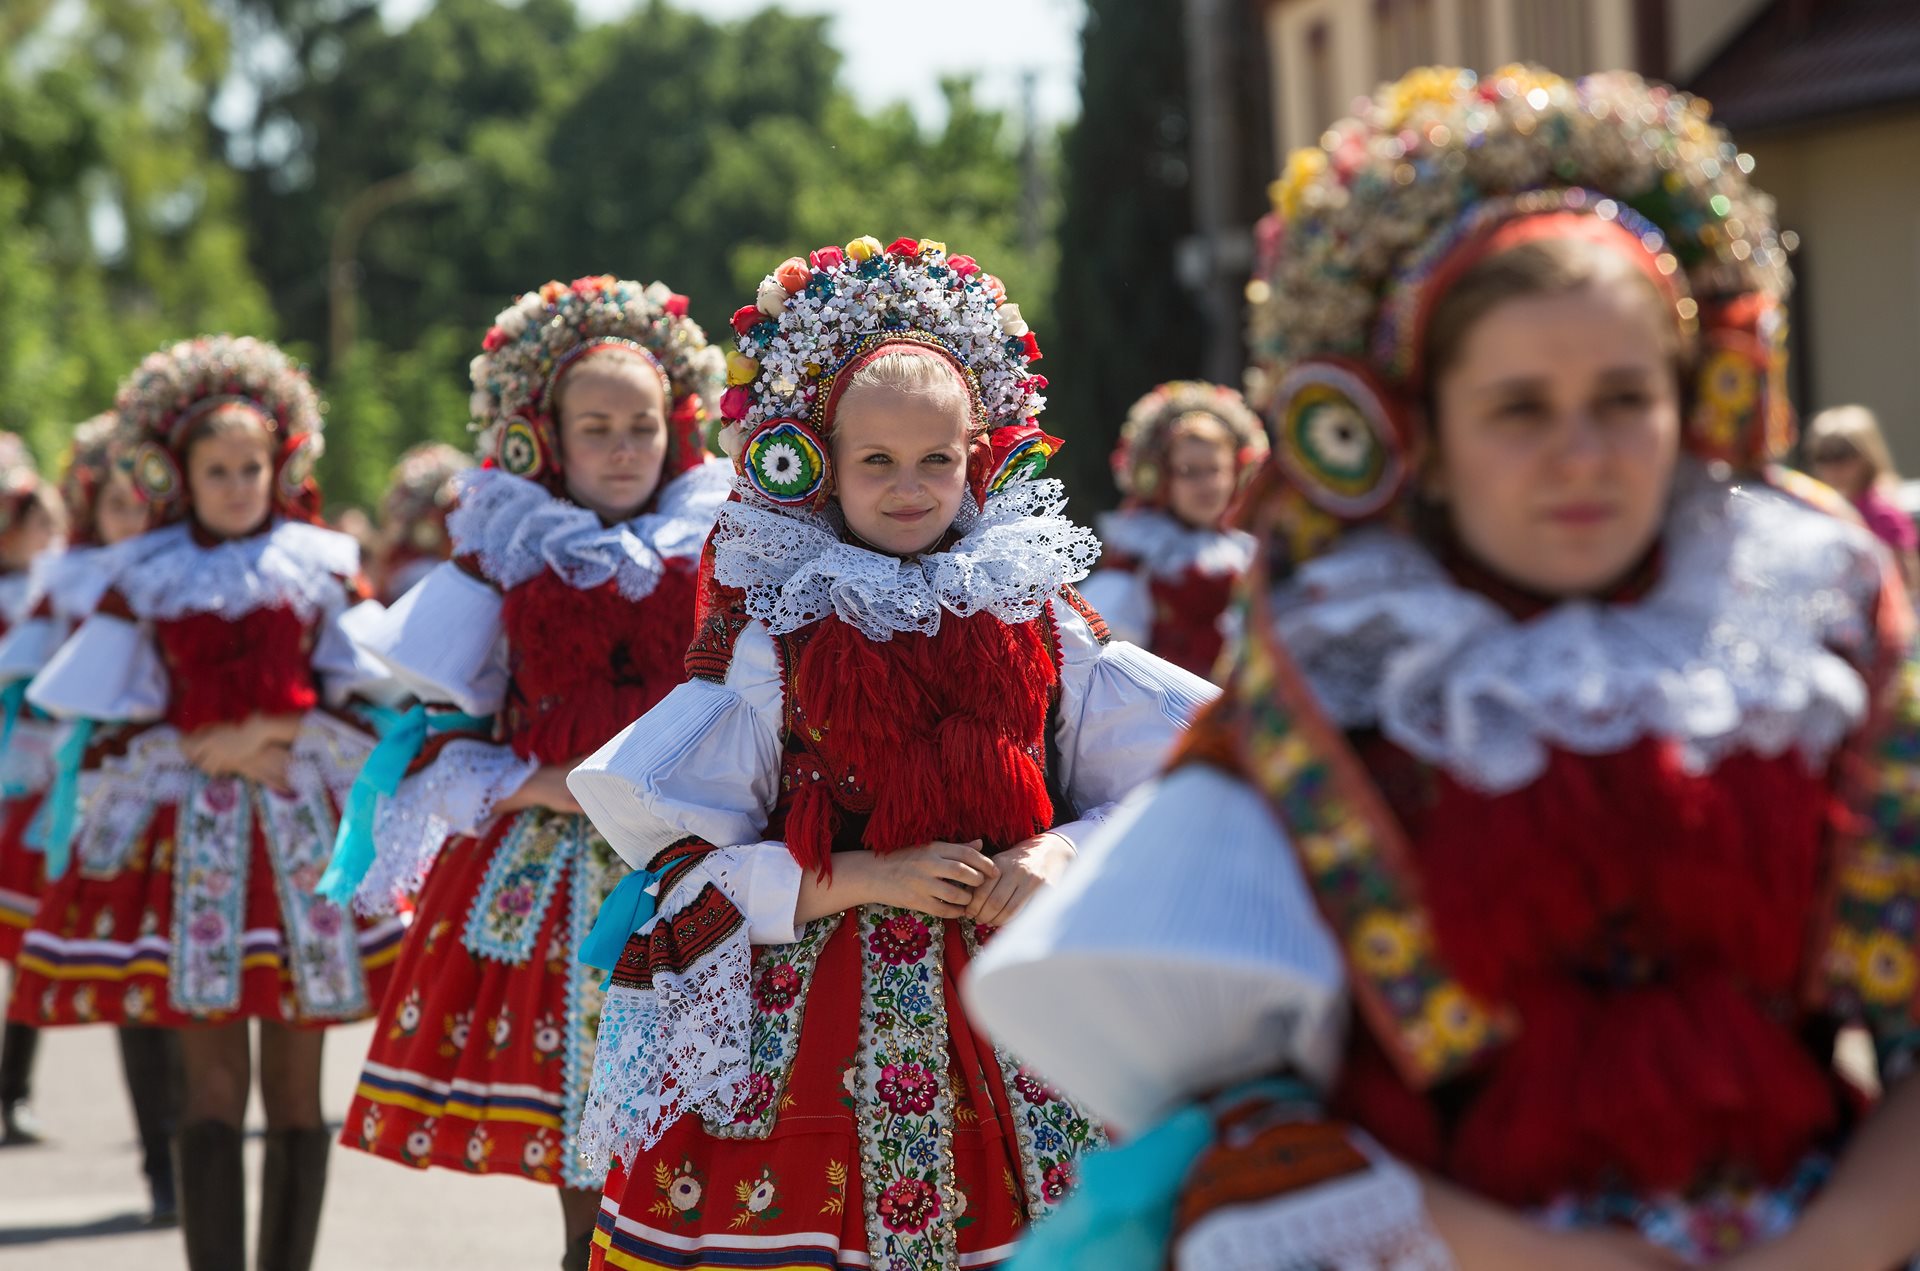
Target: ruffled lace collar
(1167,548)
(1750,640)
(1012,556)
(516,529)
(166,574)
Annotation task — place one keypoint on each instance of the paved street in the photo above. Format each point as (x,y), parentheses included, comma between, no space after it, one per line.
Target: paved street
(80,1199)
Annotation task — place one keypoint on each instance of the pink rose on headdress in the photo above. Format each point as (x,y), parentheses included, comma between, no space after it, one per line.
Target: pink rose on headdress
(792,273)
(904,247)
(676,305)
(735,402)
(494,339)
(963,265)
(827,258)
(746,318)
(1032,345)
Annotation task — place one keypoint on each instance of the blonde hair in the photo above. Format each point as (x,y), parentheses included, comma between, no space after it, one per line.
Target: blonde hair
(228,417)
(934,380)
(1856,430)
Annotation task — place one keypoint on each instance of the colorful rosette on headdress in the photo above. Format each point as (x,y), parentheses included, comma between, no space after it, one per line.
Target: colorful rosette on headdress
(90,461)
(533,342)
(1140,460)
(172,389)
(815,322)
(1367,225)
(413,514)
(19,479)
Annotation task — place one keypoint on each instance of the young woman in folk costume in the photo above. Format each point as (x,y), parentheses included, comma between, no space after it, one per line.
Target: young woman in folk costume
(566,611)
(221,641)
(1558,812)
(103,509)
(1170,563)
(412,533)
(30,524)
(899,710)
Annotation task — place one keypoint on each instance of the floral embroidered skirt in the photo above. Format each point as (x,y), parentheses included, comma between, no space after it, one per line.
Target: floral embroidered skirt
(485,1041)
(879,1129)
(22,873)
(203,911)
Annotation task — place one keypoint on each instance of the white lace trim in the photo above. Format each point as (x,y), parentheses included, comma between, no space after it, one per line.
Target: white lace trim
(1748,643)
(1014,555)
(453,795)
(29,762)
(1166,548)
(517,529)
(1375,1221)
(677,1049)
(165,574)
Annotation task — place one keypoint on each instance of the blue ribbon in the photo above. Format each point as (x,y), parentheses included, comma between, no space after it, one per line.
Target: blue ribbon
(627,908)
(13,700)
(1120,1217)
(54,825)
(403,734)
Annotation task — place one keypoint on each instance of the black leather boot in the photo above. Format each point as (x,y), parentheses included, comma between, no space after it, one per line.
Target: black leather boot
(213,1195)
(150,1058)
(18,1045)
(579,1253)
(292,1188)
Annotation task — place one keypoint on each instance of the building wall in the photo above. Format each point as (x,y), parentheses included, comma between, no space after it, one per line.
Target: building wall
(1698,29)
(1858,218)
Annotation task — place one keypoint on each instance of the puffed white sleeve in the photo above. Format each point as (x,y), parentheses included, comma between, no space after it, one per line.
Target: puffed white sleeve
(1121,709)
(341,657)
(443,641)
(27,647)
(108,669)
(705,763)
(1181,953)
(1123,599)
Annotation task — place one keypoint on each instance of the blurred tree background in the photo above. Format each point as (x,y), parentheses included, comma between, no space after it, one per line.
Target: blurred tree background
(371,194)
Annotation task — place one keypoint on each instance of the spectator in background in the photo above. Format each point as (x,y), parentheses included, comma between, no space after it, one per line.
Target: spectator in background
(1846,449)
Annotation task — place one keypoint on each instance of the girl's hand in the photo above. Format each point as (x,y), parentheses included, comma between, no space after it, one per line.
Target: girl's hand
(937,879)
(267,765)
(219,750)
(1024,869)
(545,788)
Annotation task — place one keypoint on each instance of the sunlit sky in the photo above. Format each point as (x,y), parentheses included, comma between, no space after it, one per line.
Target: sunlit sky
(896,50)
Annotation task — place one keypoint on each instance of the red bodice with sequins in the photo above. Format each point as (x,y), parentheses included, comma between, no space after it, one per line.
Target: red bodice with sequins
(585,664)
(222,670)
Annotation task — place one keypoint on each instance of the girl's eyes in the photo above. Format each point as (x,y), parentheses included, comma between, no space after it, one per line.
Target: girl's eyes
(941,458)
(877,460)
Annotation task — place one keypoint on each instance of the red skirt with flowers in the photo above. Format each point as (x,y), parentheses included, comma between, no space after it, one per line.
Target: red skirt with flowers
(22,873)
(203,924)
(869,1157)
(485,1041)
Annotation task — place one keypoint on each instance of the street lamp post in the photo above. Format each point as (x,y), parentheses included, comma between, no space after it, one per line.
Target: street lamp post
(343,265)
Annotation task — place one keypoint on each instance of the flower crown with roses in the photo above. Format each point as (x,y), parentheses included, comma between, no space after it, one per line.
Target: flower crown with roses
(175,388)
(19,479)
(815,324)
(1139,461)
(90,461)
(413,515)
(1442,169)
(534,341)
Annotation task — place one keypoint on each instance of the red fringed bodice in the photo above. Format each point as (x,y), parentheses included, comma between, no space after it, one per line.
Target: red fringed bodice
(900,742)
(588,663)
(223,670)
(1648,926)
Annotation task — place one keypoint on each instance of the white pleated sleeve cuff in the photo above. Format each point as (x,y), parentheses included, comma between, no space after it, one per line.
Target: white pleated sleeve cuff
(1182,953)
(443,641)
(107,670)
(763,882)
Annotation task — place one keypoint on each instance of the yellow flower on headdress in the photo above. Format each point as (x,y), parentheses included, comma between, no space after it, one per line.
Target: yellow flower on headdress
(1303,169)
(1729,382)
(1426,86)
(1888,971)
(932,245)
(865,247)
(1527,78)
(740,368)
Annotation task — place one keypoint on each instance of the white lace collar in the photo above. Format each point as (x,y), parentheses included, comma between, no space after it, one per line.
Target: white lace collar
(166,574)
(1013,555)
(517,529)
(1749,641)
(1168,548)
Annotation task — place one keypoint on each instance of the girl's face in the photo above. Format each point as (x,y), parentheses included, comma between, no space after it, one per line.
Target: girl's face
(1841,466)
(230,479)
(1558,430)
(27,537)
(899,467)
(1200,475)
(118,512)
(613,434)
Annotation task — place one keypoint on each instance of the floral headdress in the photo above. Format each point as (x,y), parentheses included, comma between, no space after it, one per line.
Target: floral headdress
(1440,170)
(19,479)
(90,461)
(534,341)
(1140,460)
(179,386)
(413,514)
(815,323)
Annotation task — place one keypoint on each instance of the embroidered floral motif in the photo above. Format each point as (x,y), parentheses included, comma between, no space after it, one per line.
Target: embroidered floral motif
(512,902)
(782,975)
(548,1038)
(836,1202)
(595,871)
(417,1151)
(210,886)
(455,1029)
(406,1020)
(370,1127)
(756,1197)
(329,980)
(479,1150)
(537,1157)
(681,1191)
(499,1033)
